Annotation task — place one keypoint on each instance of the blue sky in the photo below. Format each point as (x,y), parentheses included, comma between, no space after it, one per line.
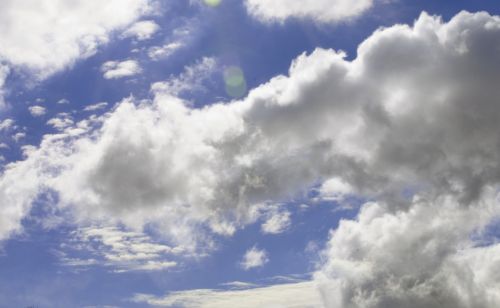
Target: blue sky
(162,175)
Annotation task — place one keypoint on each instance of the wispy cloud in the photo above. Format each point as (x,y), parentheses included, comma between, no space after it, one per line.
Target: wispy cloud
(295,295)
(117,249)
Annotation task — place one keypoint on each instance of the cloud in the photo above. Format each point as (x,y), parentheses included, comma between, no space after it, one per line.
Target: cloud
(37,111)
(18,136)
(161,52)
(80,27)
(277,221)
(294,295)
(62,101)
(116,69)
(96,106)
(238,285)
(254,258)
(118,249)
(61,121)
(56,34)
(335,189)
(321,11)
(422,257)
(410,123)
(6,124)
(4,72)
(141,30)
(190,80)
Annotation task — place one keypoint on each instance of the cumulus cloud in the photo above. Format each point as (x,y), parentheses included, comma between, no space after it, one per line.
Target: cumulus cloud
(322,11)
(142,30)
(80,27)
(117,69)
(335,189)
(37,111)
(253,258)
(56,34)
(411,123)
(416,258)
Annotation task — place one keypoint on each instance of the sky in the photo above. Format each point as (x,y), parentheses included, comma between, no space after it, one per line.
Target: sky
(250,153)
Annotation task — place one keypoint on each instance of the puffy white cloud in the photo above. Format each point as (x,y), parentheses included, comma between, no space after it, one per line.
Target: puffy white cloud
(44,37)
(422,257)
(253,258)
(335,189)
(142,30)
(37,111)
(294,295)
(323,11)
(57,33)
(415,113)
(117,69)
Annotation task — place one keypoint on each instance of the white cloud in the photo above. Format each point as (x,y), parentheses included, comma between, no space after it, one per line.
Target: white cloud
(55,34)
(142,30)
(61,121)
(191,79)
(37,111)
(118,249)
(415,113)
(18,136)
(278,221)
(6,124)
(295,295)
(323,11)
(116,69)
(96,106)
(161,52)
(335,189)
(238,285)
(414,258)
(63,101)
(253,258)
(4,72)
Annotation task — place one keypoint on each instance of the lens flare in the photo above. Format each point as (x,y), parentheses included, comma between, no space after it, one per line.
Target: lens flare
(236,85)
(212,3)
